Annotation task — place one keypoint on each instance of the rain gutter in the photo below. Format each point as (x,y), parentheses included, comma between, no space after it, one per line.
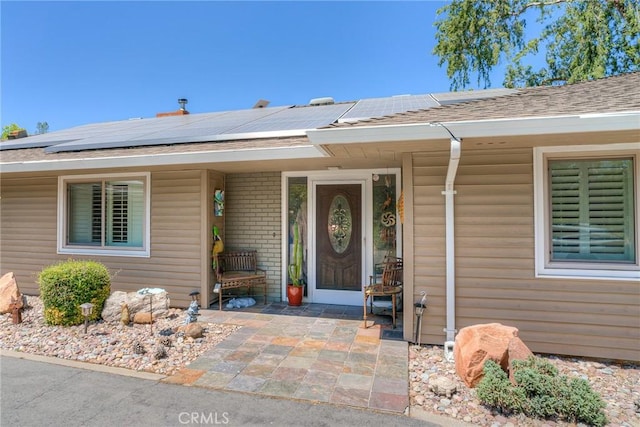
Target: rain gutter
(517,126)
(164,159)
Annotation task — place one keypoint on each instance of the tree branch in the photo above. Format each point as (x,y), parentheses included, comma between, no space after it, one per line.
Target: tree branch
(538,3)
(619,5)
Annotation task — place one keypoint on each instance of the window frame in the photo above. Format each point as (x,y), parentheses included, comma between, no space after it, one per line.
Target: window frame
(62,220)
(544,266)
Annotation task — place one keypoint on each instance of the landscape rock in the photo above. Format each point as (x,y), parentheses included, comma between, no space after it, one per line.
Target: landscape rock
(476,344)
(142,318)
(137,303)
(125,315)
(8,290)
(192,330)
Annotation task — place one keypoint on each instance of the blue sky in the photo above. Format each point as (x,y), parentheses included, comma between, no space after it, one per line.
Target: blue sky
(73,63)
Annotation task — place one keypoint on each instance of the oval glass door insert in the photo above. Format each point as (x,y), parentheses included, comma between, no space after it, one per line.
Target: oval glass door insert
(339,224)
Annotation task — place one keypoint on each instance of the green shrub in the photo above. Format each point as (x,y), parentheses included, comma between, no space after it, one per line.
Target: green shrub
(495,389)
(66,285)
(540,392)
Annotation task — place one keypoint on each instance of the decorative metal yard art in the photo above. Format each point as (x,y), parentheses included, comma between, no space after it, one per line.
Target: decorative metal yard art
(16,306)
(192,311)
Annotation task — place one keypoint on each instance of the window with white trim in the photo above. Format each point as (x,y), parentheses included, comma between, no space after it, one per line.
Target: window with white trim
(587,214)
(104,215)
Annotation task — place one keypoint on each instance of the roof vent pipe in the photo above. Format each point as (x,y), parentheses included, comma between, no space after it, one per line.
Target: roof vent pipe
(182,102)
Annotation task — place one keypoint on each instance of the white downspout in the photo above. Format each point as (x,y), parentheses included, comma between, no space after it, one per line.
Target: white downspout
(449,192)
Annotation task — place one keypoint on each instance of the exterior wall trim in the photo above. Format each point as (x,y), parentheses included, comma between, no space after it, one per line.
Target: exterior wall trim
(539,179)
(61,249)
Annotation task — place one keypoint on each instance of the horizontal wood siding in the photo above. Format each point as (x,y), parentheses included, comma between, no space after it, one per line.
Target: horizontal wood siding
(429,170)
(495,272)
(28,222)
(175,263)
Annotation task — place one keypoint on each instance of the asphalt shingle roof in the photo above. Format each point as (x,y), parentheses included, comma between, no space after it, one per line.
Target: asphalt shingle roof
(612,94)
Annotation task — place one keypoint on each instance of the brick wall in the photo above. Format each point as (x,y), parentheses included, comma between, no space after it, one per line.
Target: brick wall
(252,221)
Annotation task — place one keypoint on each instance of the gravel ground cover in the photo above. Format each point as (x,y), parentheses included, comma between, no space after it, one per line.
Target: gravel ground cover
(618,383)
(111,344)
(114,344)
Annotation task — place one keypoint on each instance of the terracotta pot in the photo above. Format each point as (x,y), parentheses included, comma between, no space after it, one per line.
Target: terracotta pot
(294,294)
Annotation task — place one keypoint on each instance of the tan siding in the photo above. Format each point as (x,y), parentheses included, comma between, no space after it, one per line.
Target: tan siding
(28,223)
(495,279)
(175,263)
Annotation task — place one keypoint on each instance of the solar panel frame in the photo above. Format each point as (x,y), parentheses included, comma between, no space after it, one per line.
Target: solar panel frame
(447,98)
(379,107)
(298,118)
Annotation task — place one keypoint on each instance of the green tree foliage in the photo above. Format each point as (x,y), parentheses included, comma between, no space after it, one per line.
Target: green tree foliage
(6,130)
(579,40)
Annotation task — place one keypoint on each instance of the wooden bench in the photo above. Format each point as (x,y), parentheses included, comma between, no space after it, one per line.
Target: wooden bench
(238,269)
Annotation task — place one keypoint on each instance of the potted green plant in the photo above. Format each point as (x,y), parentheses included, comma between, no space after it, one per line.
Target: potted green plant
(295,289)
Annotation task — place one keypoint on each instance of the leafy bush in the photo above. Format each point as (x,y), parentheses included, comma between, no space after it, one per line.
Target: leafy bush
(66,285)
(540,392)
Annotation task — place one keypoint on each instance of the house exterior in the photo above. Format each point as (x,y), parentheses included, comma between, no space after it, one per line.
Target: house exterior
(519,207)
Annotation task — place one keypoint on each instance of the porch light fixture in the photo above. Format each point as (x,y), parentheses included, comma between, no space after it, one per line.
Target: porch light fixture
(87,309)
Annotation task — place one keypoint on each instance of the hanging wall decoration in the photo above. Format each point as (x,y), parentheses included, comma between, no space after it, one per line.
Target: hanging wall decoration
(218,203)
(387,231)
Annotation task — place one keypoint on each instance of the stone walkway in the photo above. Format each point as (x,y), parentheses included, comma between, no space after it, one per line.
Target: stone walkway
(315,352)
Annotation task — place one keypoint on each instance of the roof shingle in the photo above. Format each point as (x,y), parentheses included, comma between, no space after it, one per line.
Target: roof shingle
(612,94)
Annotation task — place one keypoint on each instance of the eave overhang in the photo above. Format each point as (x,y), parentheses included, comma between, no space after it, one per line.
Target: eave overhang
(522,126)
(167,159)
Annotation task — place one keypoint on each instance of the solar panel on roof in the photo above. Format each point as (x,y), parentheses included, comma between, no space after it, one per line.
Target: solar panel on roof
(167,130)
(298,118)
(233,125)
(47,139)
(378,107)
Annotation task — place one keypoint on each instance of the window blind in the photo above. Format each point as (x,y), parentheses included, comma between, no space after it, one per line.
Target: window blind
(592,215)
